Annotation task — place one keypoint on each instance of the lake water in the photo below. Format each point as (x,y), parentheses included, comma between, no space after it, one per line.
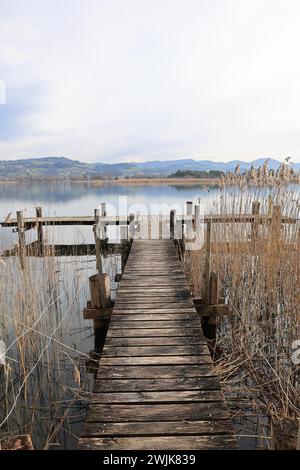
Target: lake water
(62,198)
(82,198)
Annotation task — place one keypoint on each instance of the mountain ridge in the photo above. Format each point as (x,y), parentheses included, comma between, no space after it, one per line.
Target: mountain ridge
(63,167)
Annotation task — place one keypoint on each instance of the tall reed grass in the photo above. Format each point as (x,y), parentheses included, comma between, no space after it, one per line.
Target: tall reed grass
(260,280)
(44,384)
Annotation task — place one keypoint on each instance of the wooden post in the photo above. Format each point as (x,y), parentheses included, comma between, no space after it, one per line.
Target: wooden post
(97,241)
(172,224)
(103,209)
(189,207)
(123,233)
(22,241)
(124,245)
(104,214)
(131,227)
(208,263)
(197,224)
(255,222)
(100,299)
(97,215)
(40,233)
(209,322)
(189,223)
(213,289)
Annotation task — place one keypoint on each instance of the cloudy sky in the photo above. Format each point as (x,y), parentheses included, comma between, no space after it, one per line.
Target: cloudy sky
(118,80)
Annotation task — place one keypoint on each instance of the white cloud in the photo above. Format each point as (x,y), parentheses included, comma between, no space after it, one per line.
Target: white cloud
(144,79)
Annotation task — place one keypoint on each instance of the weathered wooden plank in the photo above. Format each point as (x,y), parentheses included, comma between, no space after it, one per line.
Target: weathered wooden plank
(153,276)
(157,412)
(154,290)
(161,324)
(148,332)
(132,284)
(156,384)
(151,272)
(146,372)
(156,340)
(140,351)
(142,276)
(133,309)
(160,443)
(154,299)
(162,428)
(155,360)
(146,316)
(180,396)
(151,305)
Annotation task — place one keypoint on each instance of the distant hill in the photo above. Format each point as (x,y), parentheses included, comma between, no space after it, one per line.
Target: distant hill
(65,168)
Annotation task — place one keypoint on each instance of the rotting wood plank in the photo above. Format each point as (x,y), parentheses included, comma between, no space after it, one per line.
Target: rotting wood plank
(155,366)
(156,384)
(166,428)
(156,340)
(225,441)
(159,412)
(155,360)
(184,323)
(158,396)
(149,332)
(129,351)
(147,317)
(146,372)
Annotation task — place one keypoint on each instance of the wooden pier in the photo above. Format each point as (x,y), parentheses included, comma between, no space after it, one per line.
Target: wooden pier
(155,387)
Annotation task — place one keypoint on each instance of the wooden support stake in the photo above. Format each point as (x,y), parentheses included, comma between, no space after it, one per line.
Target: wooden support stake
(104,214)
(124,245)
(209,323)
(123,233)
(197,224)
(103,209)
(100,299)
(97,241)
(213,289)
(208,263)
(22,241)
(40,234)
(189,207)
(189,223)
(172,224)
(131,226)
(100,290)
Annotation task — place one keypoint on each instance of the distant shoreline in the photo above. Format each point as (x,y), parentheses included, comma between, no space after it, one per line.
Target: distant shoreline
(123,181)
(154,181)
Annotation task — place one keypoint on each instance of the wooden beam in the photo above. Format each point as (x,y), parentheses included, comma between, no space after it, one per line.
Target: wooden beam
(172,223)
(97,313)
